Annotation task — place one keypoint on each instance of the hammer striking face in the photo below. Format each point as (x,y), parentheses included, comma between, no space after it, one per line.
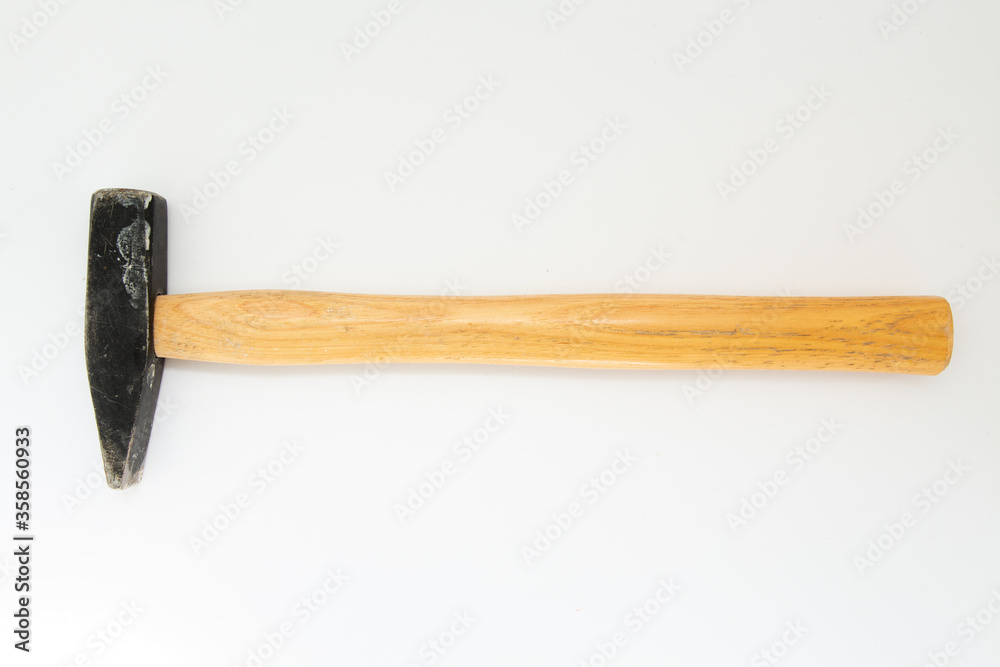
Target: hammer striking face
(127,269)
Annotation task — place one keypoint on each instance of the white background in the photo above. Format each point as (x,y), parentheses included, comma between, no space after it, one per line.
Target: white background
(703,442)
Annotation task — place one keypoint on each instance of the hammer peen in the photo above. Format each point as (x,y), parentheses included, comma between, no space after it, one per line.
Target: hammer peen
(132,325)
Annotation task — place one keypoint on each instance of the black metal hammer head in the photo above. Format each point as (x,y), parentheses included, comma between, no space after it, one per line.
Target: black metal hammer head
(126,270)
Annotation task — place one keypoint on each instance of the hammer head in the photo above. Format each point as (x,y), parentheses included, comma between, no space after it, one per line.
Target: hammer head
(126,270)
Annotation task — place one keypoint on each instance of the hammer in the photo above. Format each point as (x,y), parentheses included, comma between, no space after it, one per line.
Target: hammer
(132,325)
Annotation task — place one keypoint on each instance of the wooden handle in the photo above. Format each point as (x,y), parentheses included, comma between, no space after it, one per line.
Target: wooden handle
(888,334)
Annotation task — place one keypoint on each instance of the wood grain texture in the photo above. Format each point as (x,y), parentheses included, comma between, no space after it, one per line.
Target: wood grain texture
(887,334)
